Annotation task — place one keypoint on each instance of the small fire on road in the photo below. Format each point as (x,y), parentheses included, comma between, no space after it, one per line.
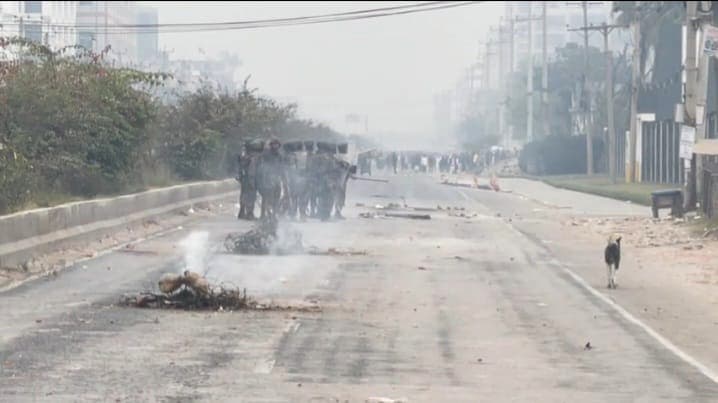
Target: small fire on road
(192,292)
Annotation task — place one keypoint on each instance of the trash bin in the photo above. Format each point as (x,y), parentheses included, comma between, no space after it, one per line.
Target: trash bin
(672,198)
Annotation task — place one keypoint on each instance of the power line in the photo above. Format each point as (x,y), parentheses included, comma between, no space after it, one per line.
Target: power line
(270,23)
(289,19)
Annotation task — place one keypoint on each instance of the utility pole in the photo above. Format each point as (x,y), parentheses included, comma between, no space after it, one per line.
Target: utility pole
(703,75)
(509,76)
(530,82)
(631,174)
(530,76)
(689,115)
(605,30)
(501,78)
(586,97)
(544,73)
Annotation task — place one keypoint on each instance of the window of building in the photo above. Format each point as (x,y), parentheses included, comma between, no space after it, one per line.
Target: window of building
(33,7)
(85,38)
(33,32)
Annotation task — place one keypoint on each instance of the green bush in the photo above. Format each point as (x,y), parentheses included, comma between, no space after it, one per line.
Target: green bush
(15,180)
(79,128)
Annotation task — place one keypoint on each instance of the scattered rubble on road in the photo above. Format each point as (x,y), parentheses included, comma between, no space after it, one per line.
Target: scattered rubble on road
(462,214)
(493,184)
(395,215)
(645,232)
(390,206)
(410,216)
(337,252)
(266,238)
(423,209)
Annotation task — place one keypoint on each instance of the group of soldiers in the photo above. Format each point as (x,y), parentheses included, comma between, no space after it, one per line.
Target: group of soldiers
(295,180)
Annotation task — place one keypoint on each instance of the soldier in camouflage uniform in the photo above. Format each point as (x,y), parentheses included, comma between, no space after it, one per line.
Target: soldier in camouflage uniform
(328,178)
(271,179)
(343,173)
(247,177)
(313,182)
(297,176)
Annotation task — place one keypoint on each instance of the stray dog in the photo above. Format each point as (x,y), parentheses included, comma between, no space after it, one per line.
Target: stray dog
(612,255)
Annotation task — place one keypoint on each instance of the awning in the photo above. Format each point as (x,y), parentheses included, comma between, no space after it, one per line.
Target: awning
(706,147)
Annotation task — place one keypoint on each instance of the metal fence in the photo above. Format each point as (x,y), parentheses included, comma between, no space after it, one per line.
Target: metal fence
(660,162)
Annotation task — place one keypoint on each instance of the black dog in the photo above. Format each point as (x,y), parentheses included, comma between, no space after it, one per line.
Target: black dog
(612,255)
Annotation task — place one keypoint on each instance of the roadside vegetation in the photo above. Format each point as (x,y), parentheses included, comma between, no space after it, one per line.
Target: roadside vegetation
(74,127)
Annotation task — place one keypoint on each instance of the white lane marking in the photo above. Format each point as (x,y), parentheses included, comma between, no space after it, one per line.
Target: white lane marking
(667,344)
(292,327)
(464,195)
(709,373)
(265,366)
(94,256)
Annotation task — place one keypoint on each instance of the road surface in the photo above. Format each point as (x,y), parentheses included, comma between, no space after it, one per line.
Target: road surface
(503,304)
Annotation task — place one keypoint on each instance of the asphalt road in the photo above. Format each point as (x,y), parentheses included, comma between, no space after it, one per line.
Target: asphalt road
(498,305)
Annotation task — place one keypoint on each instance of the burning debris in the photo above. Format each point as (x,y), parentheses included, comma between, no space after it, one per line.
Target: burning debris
(187,299)
(170,283)
(191,291)
(267,238)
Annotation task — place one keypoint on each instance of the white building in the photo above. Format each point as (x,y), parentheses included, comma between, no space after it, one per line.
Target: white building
(98,28)
(49,22)
(148,39)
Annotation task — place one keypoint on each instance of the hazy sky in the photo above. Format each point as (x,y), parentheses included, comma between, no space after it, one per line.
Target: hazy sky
(386,68)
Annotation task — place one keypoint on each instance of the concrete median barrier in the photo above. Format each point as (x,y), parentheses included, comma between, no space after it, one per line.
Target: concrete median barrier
(26,234)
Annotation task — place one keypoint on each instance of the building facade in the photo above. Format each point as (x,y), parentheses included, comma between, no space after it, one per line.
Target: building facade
(100,25)
(52,23)
(148,38)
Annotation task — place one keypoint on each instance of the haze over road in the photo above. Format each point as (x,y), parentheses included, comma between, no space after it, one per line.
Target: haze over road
(498,305)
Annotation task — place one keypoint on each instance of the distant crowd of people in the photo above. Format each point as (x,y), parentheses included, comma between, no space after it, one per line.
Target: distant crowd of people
(430,162)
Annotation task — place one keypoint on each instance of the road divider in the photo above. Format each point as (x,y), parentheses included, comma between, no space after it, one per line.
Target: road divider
(26,234)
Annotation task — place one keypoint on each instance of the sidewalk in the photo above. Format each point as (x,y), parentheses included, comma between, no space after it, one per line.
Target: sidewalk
(558,198)
(601,185)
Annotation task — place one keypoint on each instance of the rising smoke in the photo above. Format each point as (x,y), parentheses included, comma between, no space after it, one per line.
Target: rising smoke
(196,251)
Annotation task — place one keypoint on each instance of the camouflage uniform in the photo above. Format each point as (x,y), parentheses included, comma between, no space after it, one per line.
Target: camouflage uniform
(313,183)
(327,177)
(271,180)
(342,175)
(248,185)
(299,182)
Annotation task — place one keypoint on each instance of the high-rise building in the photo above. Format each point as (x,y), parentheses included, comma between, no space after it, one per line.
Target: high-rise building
(51,23)
(148,38)
(98,23)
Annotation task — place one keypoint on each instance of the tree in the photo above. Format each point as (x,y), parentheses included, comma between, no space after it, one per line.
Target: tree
(80,123)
